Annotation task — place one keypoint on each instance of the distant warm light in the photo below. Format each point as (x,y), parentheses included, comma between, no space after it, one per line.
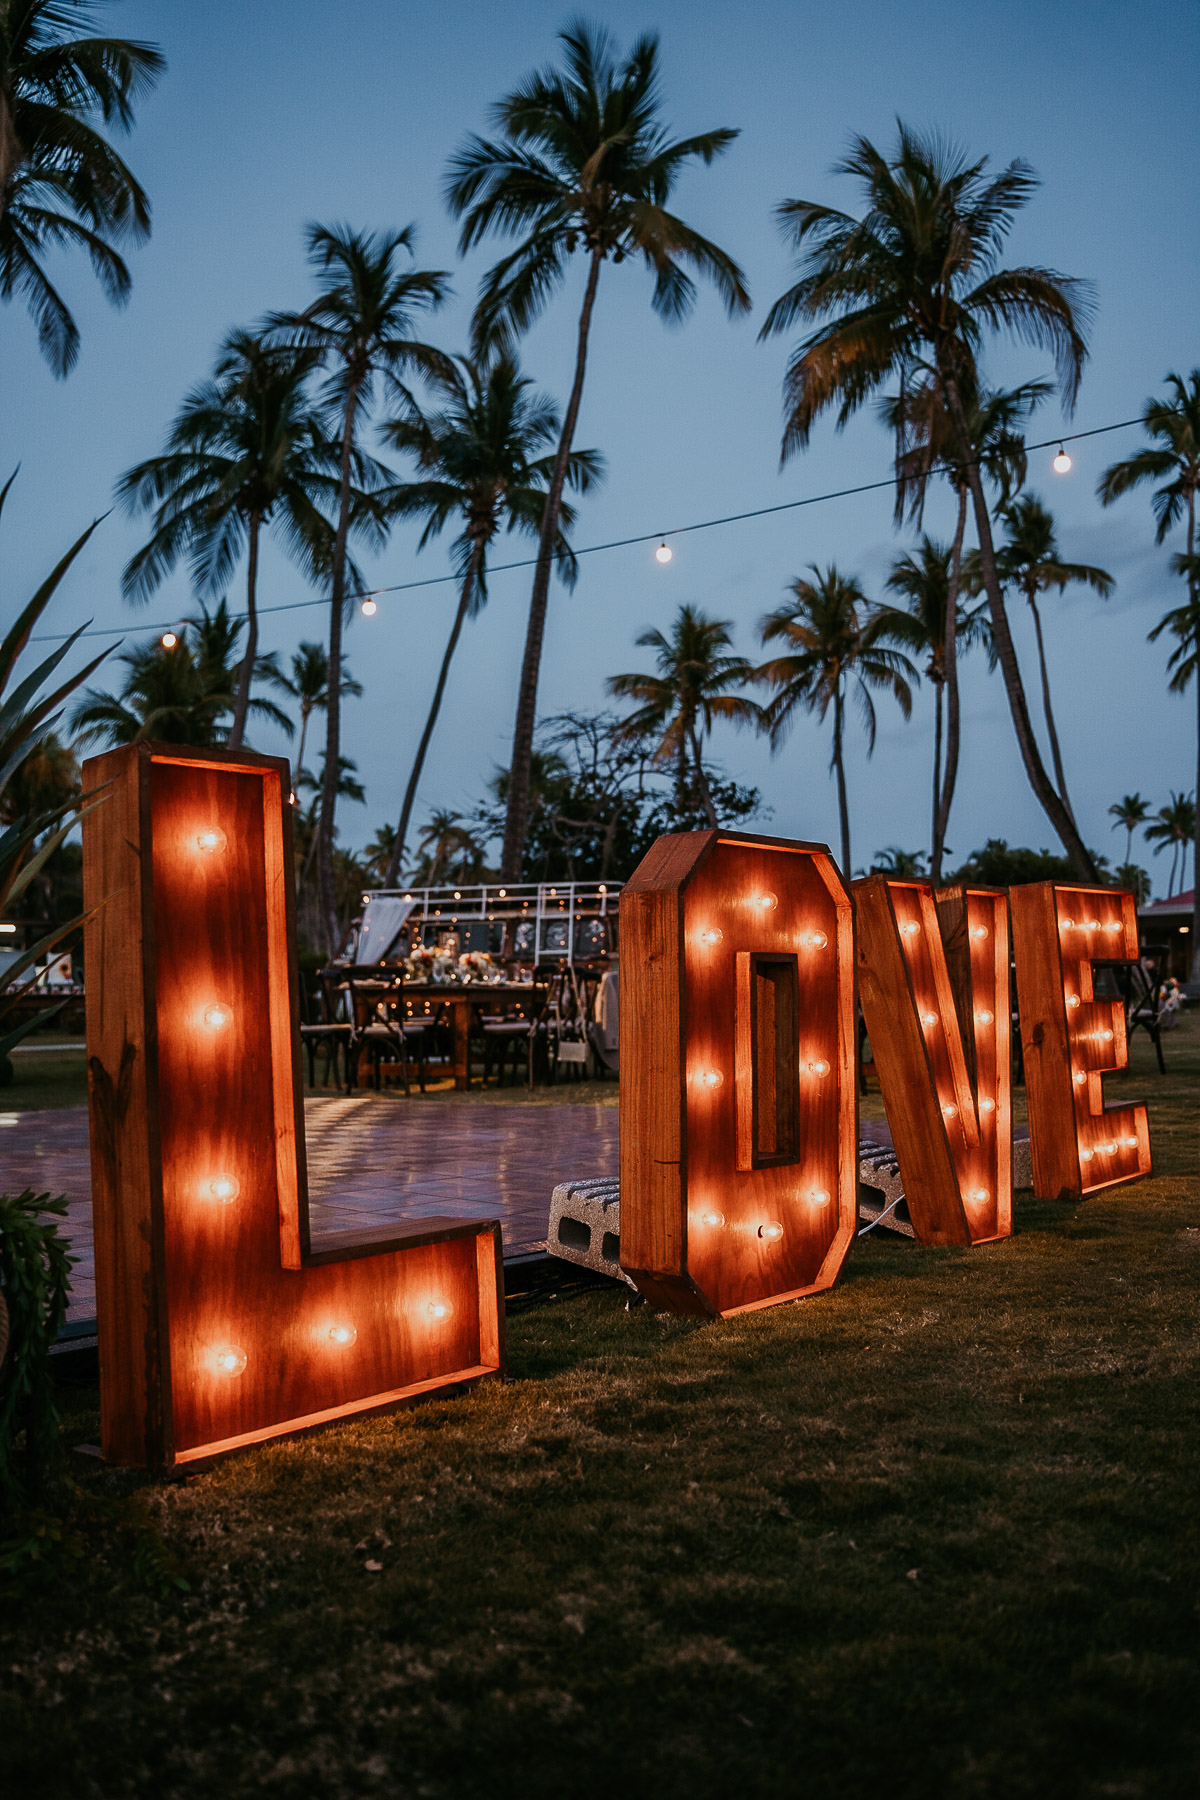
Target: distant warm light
(211,840)
(168,640)
(1062,462)
(712,1078)
(342,1334)
(229,1359)
(457,894)
(439,1309)
(409,896)
(664,553)
(766,902)
(713,935)
(819,1196)
(818,1066)
(224,1188)
(217,1017)
(7,929)
(816,940)
(366,899)
(602,889)
(772,1232)
(712,1218)
(369,607)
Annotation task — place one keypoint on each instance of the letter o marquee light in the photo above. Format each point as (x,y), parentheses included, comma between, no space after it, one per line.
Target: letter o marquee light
(219,1325)
(739,1111)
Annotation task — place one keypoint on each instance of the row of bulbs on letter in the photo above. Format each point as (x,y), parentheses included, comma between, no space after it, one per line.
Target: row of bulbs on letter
(231,1359)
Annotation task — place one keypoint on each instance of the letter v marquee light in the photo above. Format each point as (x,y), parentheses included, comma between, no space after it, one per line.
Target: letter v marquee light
(1070,1038)
(933,975)
(219,1325)
(739,1109)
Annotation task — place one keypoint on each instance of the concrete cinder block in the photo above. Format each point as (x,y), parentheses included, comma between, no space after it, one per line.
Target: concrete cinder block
(585,1225)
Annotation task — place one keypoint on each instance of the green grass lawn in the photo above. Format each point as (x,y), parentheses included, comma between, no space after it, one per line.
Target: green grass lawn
(934,1533)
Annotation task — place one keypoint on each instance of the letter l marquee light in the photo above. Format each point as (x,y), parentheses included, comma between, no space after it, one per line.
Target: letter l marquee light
(219,1325)
(933,979)
(739,1109)
(1070,1038)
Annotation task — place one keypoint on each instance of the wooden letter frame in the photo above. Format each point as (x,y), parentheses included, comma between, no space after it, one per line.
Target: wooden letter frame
(219,1325)
(739,1109)
(933,978)
(1070,1039)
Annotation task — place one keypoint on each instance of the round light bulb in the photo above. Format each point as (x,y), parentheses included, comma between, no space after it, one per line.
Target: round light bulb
(980,1194)
(369,607)
(713,935)
(1085,1156)
(168,640)
(987,1106)
(1066,924)
(772,1232)
(1072,1001)
(766,902)
(816,940)
(503,894)
(1114,925)
(712,1078)
(1130,1143)
(950,1111)
(664,553)
(216,1017)
(1062,462)
(818,1066)
(819,1196)
(342,1334)
(1110,1149)
(928,1018)
(984,1017)
(229,1359)
(910,928)
(1079,1078)
(224,1188)
(211,840)
(439,1309)
(1106,1037)
(979,931)
(712,1218)
(1093,924)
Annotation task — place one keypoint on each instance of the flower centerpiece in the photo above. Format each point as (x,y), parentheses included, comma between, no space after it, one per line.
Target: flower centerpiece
(477,965)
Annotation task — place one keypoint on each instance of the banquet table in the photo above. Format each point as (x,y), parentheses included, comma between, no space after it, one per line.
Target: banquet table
(369,986)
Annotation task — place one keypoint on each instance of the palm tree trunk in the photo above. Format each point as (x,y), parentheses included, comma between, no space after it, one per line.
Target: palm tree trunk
(1194,973)
(333,691)
(706,799)
(1047,708)
(410,793)
(950,672)
(305,716)
(934,846)
(517,811)
(242,703)
(1052,804)
(843,812)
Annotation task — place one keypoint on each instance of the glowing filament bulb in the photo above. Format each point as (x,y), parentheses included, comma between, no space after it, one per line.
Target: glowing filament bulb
(950,1111)
(224,1188)
(772,1232)
(987,1106)
(766,902)
(1106,1037)
(1093,924)
(439,1309)
(1066,924)
(713,935)
(1085,1156)
(979,932)
(342,1334)
(1072,1001)
(818,1066)
(712,1078)
(910,928)
(168,640)
(1079,1078)
(929,1019)
(980,1194)
(369,607)
(819,1196)
(664,553)
(1129,1143)
(212,840)
(1114,925)
(217,1017)
(816,940)
(712,1218)
(983,1017)
(1062,462)
(229,1359)
(1109,1149)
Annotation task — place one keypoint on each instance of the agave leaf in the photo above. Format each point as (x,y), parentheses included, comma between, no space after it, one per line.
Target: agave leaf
(25,873)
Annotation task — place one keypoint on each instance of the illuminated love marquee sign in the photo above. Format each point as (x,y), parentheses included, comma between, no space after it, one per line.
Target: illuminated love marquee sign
(219,1324)
(739,1110)
(1070,1038)
(933,974)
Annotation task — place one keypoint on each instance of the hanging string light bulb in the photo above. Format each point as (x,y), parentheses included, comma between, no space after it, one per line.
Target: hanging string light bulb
(1062,462)
(664,553)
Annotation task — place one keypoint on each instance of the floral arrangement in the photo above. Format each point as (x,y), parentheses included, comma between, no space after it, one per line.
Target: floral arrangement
(477,965)
(427,963)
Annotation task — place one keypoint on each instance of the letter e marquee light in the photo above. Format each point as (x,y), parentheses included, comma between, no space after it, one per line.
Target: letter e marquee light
(219,1325)
(933,979)
(739,1111)
(1070,1038)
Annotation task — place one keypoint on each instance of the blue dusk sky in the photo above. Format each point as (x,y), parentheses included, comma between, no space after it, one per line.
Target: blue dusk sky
(282,111)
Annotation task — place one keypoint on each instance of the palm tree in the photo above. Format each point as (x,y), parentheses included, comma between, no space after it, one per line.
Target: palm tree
(361,325)
(180,695)
(679,704)
(1127,814)
(246,451)
(901,865)
(1174,462)
(1174,824)
(307,685)
(925,581)
(62,185)
(447,850)
(479,462)
(584,162)
(1029,560)
(925,444)
(914,286)
(836,642)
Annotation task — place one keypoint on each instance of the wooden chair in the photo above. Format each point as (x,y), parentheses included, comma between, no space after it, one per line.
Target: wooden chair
(322,1029)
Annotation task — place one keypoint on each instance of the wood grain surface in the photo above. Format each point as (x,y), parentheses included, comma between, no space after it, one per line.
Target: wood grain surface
(218,1325)
(1071,1039)
(739,1175)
